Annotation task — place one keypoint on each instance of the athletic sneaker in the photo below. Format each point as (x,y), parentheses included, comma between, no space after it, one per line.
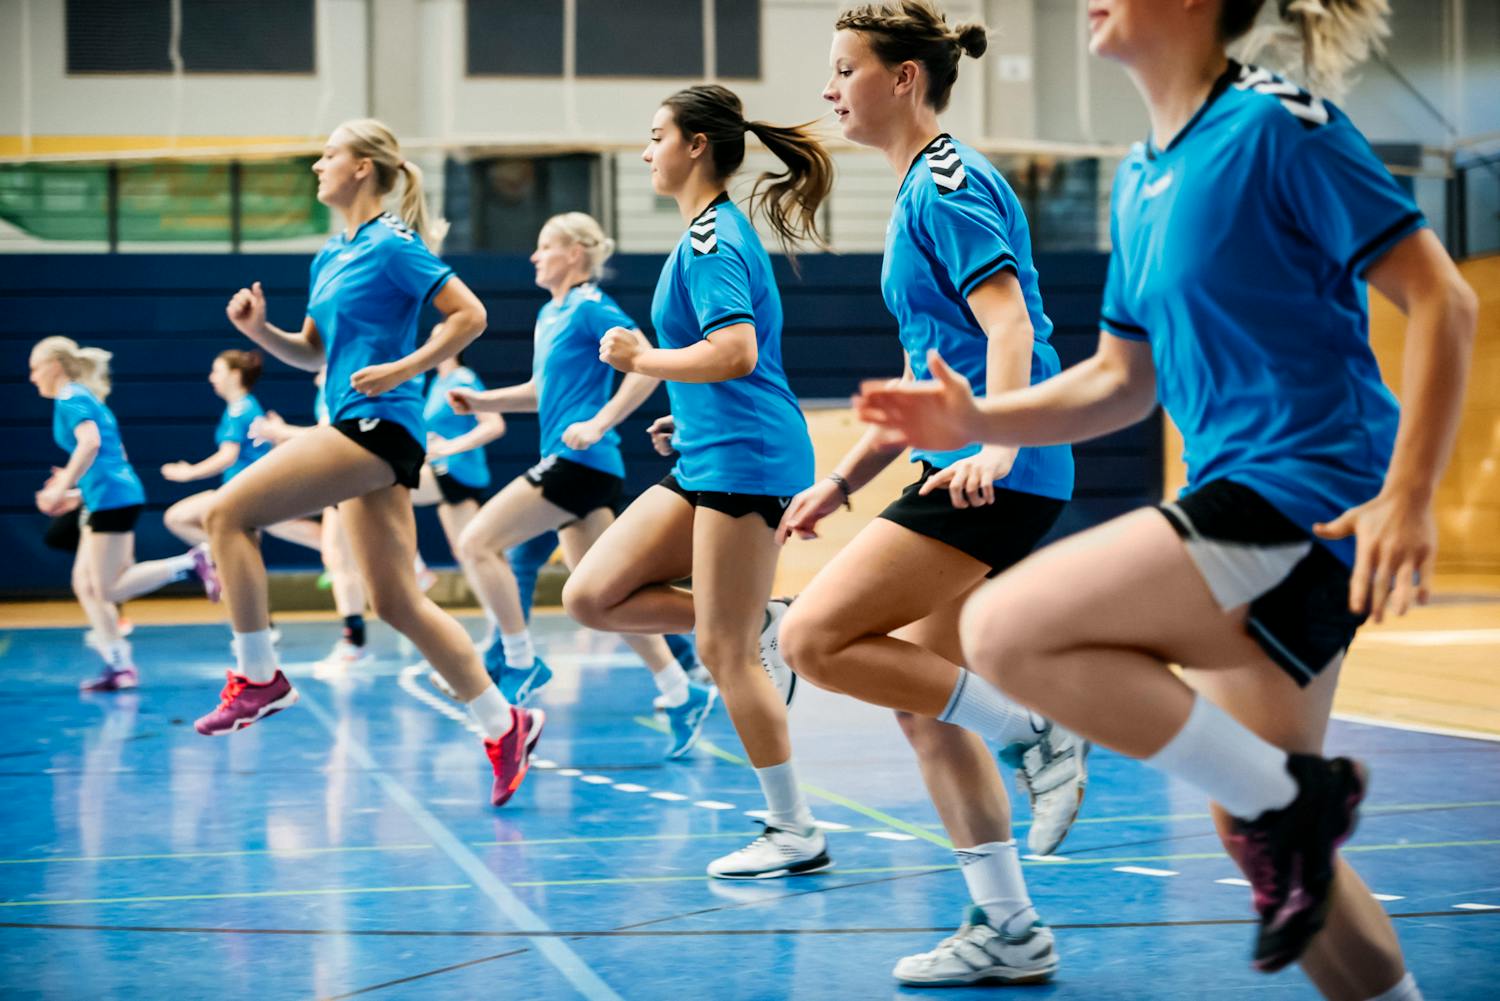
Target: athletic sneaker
(344,656)
(1054,771)
(510,756)
(776,667)
(775,853)
(92,640)
(980,953)
(698,675)
(494,659)
(686,721)
(1288,854)
(203,566)
(519,684)
(243,701)
(112,680)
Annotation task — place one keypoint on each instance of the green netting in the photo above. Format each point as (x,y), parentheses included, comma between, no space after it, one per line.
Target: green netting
(166,202)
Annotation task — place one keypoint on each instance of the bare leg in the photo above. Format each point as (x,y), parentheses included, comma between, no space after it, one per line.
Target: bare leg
(515,514)
(338,556)
(120,577)
(302,532)
(625,583)
(576,540)
(185,518)
(103,616)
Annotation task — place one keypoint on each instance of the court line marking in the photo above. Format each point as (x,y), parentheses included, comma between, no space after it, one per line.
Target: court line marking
(244,895)
(566,961)
(423,976)
(1429,728)
(1140,870)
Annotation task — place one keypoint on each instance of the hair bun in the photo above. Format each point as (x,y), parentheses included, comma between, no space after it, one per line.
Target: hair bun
(973,38)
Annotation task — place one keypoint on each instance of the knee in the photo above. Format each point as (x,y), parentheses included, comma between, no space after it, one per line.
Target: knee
(808,642)
(724,657)
(474,547)
(585,603)
(221,519)
(396,604)
(1002,634)
(923,733)
(83,586)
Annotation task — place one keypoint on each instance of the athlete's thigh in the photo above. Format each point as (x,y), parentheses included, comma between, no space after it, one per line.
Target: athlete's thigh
(517,513)
(886,577)
(578,538)
(937,631)
(650,543)
(193,507)
(307,474)
(382,532)
(455,518)
(734,566)
(110,554)
(428,492)
(299,531)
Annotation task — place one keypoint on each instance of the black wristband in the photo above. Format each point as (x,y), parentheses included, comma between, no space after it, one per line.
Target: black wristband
(844,488)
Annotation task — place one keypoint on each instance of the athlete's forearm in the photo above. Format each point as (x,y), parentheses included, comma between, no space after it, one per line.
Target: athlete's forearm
(728,353)
(214,464)
(458,330)
(296,350)
(79,461)
(635,389)
(490,427)
(866,459)
(507,399)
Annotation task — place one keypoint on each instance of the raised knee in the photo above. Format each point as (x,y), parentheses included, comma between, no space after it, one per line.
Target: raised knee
(1002,642)
(807,643)
(473,547)
(584,603)
(220,519)
(724,657)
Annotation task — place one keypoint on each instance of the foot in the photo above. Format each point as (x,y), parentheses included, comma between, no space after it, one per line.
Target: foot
(243,701)
(520,684)
(1288,854)
(775,665)
(980,953)
(344,657)
(774,854)
(510,756)
(1053,770)
(686,721)
(203,566)
(494,660)
(113,679)
(697,676)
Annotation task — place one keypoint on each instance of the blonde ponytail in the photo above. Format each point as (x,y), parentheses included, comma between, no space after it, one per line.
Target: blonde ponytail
(371,139)
(1317,42)
(414,212)
(87,366)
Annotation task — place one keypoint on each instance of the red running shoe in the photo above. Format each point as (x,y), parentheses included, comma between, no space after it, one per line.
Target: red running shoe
(243,701)
(511,754)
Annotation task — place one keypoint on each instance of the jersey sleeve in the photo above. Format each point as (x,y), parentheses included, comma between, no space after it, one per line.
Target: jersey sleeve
(1115,314)
(969,235)
(608,314)
(1344,199)
(417,270)
(234,427)
(466,378)
(718,284)
(74,410)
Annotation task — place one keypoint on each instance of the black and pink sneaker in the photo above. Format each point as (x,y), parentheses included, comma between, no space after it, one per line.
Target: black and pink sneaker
(203,566)
(1289,855)
(243,701)
(112,680)
(510,756)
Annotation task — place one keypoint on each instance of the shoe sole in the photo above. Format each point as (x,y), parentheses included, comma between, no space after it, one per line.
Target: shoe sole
(821,864)
(676,753)
(269,709)
(1007,977)
(1083,781)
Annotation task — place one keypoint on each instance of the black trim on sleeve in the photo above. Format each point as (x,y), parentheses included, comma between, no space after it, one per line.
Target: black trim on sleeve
(1358,262)
(726,320)
(999,263)
(432,289)
(1129,330)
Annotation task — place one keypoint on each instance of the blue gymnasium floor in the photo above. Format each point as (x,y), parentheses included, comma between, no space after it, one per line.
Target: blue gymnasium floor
(345,848)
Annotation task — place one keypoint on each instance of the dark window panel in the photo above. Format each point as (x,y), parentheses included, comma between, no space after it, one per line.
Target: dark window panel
(515,38)
(640,38)
(106,36)
(737,38)
(509,198)
(240,36)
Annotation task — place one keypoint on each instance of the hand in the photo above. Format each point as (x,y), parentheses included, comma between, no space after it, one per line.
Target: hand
(1395,549)
(620,348)
(461,400)
(661,431)
(583,435)
(807,509)
(938,413)
(376,379)
(53,500)
(438,447)
(177,472)
(269,429)
(971,482)
(247,310)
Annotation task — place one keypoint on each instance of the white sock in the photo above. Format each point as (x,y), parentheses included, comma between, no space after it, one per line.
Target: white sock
(491,713)
(785,806)
(672,682)
(255,655)
(1405,990)
(978,706)
(182,565)
(1238,770)
(993,874)
(117,655)
(518,649)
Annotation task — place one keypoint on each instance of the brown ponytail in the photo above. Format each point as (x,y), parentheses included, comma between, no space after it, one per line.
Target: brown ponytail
(899,31)
(247,363)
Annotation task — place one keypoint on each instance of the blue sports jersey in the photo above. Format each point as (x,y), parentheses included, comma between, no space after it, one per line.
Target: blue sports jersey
(366,293)
(957,222)
(320,407)
(572,384)
(746,435)
(109,482)
(1239,254)
(469,468)
(235,426)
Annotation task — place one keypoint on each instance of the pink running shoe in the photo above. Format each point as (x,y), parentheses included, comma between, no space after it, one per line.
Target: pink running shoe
(111,680)
(203,566)
(511,754)
(243,701)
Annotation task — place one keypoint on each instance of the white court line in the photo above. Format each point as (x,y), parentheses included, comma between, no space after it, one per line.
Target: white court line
(1441,731)
(1233,881)
(1477,907)
(669,797)
(830,825)
(596,780)
(412,687)
(890,836)
(1140,870)
(1386,896)
(630,787)
(713,804)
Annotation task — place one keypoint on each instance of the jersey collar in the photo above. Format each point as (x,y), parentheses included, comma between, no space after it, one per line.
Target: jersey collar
(1230,74)
(925,150)
(719,199)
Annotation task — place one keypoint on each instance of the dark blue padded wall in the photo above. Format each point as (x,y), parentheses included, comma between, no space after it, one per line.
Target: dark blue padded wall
(163,317)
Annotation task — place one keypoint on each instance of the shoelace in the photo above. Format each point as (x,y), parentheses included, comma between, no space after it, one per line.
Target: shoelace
(232,689)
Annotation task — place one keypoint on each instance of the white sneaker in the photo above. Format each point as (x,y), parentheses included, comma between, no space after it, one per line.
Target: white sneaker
(1054,773)
(344,657)
(981,953)
(774,854)
(776,667)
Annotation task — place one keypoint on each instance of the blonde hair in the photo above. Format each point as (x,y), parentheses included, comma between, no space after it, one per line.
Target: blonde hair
(917,30)
(369,138)
(1317,42)
(583,230)
(87,366)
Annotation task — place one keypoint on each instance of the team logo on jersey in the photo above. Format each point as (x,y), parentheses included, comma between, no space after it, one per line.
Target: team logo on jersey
(1159,185)
(946,165)
(396,226)
(703,234)
(1310,110)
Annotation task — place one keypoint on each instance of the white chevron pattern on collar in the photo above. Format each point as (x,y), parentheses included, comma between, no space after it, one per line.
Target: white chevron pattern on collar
(946,165)
(703,233)
(1293,98)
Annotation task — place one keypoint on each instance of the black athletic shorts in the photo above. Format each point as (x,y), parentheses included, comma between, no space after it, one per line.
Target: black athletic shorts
(1251,553)
(735,505)
(1001,534)
(391,442)
(63,531)
(578,489)
(114,519)
(455,492)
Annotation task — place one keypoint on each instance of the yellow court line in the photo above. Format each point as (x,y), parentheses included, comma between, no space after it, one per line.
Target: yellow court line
(256,894)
